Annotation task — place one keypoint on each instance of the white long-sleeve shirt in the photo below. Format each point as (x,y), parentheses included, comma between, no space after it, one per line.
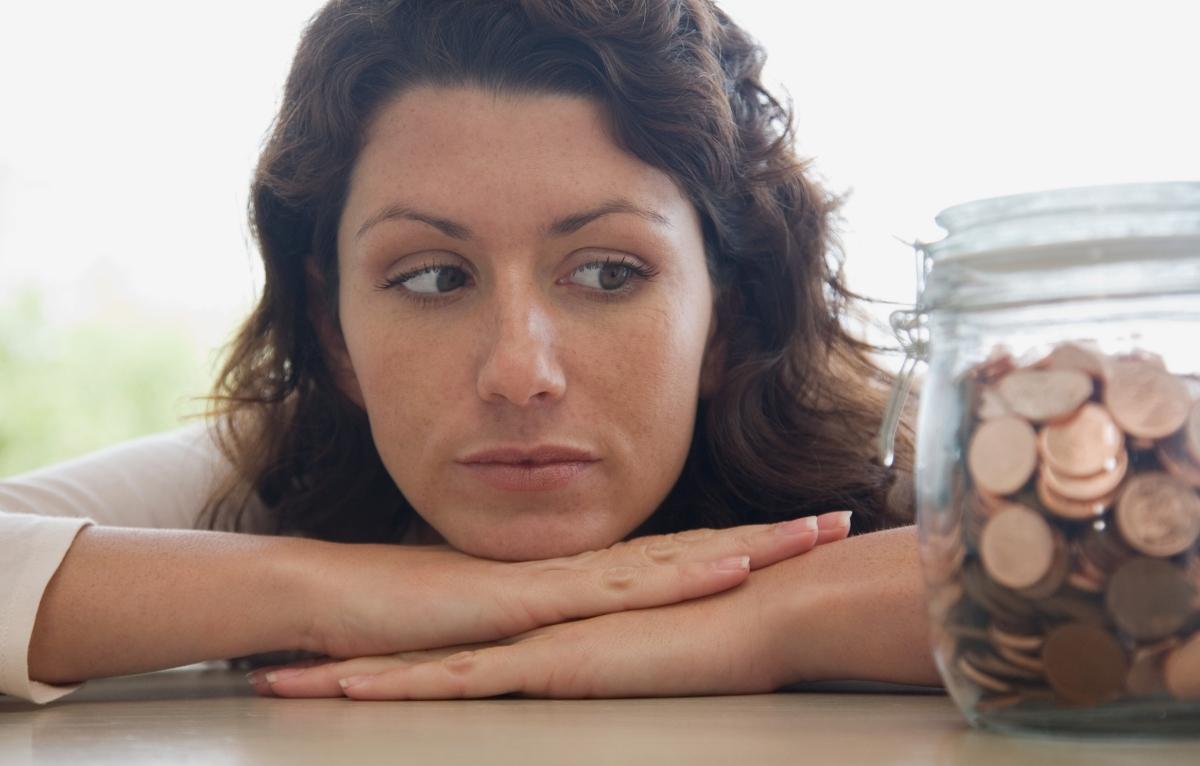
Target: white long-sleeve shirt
(160,481)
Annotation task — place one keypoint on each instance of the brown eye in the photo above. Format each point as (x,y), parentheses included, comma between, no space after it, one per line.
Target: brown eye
(604,276)
(432,280)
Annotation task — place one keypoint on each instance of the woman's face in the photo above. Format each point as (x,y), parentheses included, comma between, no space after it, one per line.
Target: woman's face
(525,309)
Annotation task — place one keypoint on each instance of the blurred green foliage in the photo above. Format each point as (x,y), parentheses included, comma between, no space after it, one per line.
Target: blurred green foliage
(68,389)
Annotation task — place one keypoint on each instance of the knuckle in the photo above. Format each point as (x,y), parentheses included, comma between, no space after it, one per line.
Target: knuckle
(662,551)
(694,535)
(462,662)
(619,578)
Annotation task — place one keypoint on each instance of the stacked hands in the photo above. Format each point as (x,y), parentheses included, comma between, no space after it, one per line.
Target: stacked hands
(661,615)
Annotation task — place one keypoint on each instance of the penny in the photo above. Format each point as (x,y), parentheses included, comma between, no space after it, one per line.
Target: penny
(998,667)
(1103,549)
(1084,664)
(1043,395)
(1026,662)
(1191,432)
(1173,457)
(1069,508)
(999,603)
(1145,400)
(1065,607)
(1158,515)
(1145,677)
(1150,598)
(1002,455)
(1056,575)
(1017,547)
(989,404)
(998,364)
(1083,445)
(982,679)
(1086,576)
(1181,670)
(1076,356)
(1022,642)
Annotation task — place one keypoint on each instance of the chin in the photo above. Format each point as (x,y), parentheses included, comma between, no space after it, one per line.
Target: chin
(522,543)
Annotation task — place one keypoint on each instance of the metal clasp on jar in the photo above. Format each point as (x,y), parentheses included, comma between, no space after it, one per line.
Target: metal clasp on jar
(911,329)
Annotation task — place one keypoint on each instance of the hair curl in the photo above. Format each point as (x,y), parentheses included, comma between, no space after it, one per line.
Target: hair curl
(787,431)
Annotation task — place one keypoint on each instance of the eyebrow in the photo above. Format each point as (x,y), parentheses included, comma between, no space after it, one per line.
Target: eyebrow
(568,224)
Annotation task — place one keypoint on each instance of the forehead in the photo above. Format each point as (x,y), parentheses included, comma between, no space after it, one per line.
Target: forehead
(500,159)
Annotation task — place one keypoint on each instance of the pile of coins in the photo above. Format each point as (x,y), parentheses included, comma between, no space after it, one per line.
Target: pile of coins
(1067,572)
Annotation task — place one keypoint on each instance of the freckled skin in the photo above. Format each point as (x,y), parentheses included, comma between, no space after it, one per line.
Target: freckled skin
(524,352)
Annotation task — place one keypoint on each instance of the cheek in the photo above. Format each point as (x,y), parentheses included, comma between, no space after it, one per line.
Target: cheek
(649,370)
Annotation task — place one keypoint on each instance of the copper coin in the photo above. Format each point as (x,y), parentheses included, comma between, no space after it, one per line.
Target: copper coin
(1145,400)
(1178,462)
(1001,604)
(1085,444)
(1150,599)
(988,404)
(998,364)
(1033,666)
(1181,670)
(999,667)
(982,679)
(1158,515)
(1103,548)
(1002,455)
(1022,642)
(1043,395)
(1145,677)
(1017,547)
(1056,575)
(1080,356)
(1191,432)
(1067,607)
(1084,664)
(1070,508)
(1087,487)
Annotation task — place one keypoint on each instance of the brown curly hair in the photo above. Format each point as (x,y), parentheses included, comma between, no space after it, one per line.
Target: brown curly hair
(788,430)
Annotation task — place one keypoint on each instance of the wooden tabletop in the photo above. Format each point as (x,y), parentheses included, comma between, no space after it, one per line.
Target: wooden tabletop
(207,715)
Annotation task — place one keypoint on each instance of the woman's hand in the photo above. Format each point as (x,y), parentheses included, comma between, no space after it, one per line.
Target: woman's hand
(716,644)
(381,599)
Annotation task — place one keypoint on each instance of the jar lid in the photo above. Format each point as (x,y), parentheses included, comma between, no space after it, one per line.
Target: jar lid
(1097,241)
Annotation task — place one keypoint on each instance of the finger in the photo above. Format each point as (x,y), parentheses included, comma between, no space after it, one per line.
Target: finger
(552,595)
(766,544)
(257,678)
(321,680)
(471,674)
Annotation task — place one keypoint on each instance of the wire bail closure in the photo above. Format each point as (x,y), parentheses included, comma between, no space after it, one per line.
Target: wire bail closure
(911,328)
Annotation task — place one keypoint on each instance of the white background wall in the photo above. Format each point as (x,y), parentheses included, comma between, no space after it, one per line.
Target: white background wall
(128,129)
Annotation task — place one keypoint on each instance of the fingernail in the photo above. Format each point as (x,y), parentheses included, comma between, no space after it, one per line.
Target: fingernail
(733,563)
(800,526)
(285,673)
(834,519)
(346,683)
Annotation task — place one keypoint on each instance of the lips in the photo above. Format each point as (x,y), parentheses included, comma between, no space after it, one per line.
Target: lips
(539,468)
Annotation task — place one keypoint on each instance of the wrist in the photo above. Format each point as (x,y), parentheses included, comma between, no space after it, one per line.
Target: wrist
(860,613)
(301,576)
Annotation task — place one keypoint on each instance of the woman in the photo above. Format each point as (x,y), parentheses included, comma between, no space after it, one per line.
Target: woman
(541,277)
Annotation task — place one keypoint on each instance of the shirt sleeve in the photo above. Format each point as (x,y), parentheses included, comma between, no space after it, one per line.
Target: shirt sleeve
(161,481)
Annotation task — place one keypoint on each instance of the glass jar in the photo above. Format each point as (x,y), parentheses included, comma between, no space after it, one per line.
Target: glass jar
(1058,457)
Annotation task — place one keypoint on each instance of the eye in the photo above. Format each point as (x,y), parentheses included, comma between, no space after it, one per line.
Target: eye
(430,280)
(609,275)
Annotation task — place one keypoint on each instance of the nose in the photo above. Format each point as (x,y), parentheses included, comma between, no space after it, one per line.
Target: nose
(521,364)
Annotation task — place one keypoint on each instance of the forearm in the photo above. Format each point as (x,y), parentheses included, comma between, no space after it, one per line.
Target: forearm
(859,612)
(132,600)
